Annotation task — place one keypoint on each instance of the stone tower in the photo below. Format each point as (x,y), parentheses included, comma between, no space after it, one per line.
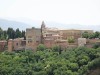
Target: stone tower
(10,45)
(42,31)
(43,25)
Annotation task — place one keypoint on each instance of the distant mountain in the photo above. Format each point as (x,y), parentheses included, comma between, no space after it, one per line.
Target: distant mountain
(22,24)
(74,26)
(60,25)
(4,24)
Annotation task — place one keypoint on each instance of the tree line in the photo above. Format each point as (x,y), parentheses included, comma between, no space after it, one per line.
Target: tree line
(10,33)
(52,61)
(91,35)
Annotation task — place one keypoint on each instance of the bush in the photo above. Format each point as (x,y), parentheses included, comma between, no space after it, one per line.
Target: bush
(41,47)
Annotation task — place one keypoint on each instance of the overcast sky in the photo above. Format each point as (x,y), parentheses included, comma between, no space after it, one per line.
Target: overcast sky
(85,12)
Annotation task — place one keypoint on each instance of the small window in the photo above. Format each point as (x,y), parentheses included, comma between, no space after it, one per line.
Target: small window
(16,44)
(30,41)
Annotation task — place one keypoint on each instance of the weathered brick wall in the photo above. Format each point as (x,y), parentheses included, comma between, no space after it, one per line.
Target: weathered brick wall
(91,42)
(3,43)
(10,45)
(33,38)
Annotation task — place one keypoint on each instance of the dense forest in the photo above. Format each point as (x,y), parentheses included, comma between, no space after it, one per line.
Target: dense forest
(54,61)
(10,33)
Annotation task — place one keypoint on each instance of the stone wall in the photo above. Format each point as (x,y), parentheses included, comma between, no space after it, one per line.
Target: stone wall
(3,44)
(16,44)
(91,42)
(33,38)
(81,42)
(10,45)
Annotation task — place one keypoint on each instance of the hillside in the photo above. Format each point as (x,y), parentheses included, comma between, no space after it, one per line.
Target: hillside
(4,24)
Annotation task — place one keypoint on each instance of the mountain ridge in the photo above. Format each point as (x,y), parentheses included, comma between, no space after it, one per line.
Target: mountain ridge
(22,25)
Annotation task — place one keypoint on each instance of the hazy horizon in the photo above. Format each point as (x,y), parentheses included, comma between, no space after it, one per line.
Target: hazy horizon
(25,23)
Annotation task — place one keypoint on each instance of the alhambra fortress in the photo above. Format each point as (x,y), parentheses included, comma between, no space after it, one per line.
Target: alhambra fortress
(49,37)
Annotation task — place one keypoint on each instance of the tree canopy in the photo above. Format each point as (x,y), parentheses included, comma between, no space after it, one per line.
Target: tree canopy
(10,33)
(91,35)
(77,61)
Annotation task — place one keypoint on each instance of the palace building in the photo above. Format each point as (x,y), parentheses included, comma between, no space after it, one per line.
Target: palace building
(49,37)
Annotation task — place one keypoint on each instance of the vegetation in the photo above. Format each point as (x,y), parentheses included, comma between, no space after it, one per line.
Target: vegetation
(96,45)
(92,35)
(71,40)
(10,33)
(78,61)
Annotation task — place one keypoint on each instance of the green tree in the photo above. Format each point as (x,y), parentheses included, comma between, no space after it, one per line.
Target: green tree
(97,34)
(23,34)
(96,45)
(18,33)
(41,47)
(85,35)
(71,40)
(92,35)
(11,33)
(57,49)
